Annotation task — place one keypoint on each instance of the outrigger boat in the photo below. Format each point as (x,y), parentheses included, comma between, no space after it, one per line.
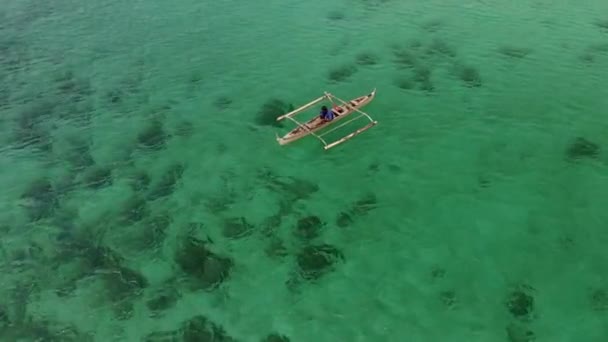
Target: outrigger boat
(317,123)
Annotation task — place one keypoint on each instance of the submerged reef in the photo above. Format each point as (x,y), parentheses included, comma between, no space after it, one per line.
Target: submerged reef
(196,329)
(269,112)
(359,208)
(207,269)
(314,261)
(520,302)
(581,148)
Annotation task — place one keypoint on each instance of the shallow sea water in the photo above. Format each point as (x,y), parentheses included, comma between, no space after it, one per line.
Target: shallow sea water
(146,199)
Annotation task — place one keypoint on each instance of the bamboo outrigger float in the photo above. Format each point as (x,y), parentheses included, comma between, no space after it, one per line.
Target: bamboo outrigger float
(317,123)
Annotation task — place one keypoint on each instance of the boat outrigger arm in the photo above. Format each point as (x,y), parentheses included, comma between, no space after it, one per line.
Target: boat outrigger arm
(315,124)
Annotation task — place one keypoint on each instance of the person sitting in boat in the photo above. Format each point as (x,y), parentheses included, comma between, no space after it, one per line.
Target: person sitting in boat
(326,114)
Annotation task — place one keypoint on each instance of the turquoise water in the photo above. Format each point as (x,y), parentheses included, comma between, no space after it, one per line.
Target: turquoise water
(146,199)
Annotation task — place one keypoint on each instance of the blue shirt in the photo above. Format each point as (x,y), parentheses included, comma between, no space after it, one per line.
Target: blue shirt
(329,115)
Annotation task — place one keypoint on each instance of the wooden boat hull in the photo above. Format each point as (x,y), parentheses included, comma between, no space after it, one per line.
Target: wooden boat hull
(316,123)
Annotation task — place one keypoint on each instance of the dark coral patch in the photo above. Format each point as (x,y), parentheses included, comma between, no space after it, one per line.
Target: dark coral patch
(168,182)
(599,299)
(309,227)
(274,337)
(199,328)
(582,148)
(520,302)
(602,24)
(152,136)
(469,76)
(519,333)
(315,261)
(422,76)
(344,220)
(208,269)
(270,110)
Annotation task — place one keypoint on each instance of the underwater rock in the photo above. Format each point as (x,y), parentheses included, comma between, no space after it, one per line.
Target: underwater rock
(153,136)
(309,227)
(341,73)
(582,148)
(271,109)
(521,303)
(168,181)
(41,199)
(315,261)
(209,269)
(98,177)
(274,337)
(236,227)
